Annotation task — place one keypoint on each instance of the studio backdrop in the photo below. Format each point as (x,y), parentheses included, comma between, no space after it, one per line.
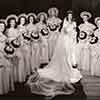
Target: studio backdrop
(25,6)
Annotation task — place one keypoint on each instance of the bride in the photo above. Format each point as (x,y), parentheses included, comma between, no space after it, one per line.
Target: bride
(60,75)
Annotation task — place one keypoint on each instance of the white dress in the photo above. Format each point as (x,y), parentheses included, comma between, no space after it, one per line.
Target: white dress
(34,47)
(12,34)
(84,46)
(95,56)
(52,79)
(53,34)
(18,63)
(26,49)
(44,48)
(6,75)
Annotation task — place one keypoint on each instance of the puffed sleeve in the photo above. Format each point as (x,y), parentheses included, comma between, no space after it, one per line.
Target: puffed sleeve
(59,21)
(48,21)
(80,26)
(93,26)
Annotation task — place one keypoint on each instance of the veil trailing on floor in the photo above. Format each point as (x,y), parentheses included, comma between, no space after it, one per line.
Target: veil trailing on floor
(59,75)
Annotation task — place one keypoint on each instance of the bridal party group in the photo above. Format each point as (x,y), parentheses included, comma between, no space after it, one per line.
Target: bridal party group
(28,41)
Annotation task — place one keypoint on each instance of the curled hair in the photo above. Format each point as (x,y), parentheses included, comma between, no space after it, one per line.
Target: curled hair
(19,19)
(2,22)
(44,21)
(34,19)
(9,20)
(70,12)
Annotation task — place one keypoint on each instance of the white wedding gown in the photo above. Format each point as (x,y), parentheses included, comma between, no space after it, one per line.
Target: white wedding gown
(60,69)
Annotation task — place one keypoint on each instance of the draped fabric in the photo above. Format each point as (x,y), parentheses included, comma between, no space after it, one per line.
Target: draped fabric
(58,76)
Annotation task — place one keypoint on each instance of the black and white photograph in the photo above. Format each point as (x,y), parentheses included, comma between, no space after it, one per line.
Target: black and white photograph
(49,49)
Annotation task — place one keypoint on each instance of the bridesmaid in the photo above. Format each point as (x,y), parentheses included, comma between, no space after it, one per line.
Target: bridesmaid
(31,28)
(95,53)
(23,72)
(44,33)
(86,30)
(12,34)
(4,63)
(53,23)
(35,48)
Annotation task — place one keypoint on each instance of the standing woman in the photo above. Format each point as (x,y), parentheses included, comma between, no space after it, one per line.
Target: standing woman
(31,28)
(70,25)
(95,50)
(59,75)
(35,48)
(11,34)
(53,23)
(4,62)
(22,20)
(86,30)
(44,33)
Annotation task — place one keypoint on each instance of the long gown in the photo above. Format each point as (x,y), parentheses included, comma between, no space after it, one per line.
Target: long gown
(84,46)
(33,55)
(6,75)
(95,56)
(25,49)
(19,61)
(58,76)
(44,54)
(53,34)
(35,46)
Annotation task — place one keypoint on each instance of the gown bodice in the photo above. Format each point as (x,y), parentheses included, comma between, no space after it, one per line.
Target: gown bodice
(87,27)
(31,28)
(54,23)
(12,33)
(70,30)
(42,29)
(97,33)
(2,41)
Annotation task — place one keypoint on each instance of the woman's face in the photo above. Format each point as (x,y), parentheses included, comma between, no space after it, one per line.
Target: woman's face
(22,21)
(31,19)
(85,18)
(12,23)
(98,24)
(70,16)
(42,18)
(53,13)
(2,27)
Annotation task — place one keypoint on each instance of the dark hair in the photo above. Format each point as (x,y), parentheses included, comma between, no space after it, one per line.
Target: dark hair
(20,19)
(8,22)
(2,22)
(28,19)
(44,21)
(70,12)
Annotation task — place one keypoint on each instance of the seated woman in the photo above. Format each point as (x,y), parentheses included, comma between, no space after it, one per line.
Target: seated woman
(58,77)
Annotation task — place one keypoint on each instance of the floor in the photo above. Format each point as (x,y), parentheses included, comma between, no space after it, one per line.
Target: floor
(91,86)
(87,89)
(22,92)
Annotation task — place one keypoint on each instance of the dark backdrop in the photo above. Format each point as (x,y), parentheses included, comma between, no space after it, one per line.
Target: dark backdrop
(92,6)
(26,6)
